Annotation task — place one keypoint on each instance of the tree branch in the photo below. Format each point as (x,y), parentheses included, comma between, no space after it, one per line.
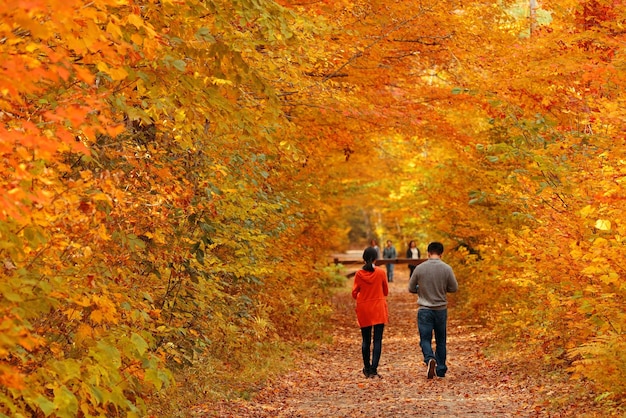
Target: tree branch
(372,44)
(427,40)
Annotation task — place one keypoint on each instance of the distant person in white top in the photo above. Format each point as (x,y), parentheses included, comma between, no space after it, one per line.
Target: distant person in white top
(432,280)
(414,253)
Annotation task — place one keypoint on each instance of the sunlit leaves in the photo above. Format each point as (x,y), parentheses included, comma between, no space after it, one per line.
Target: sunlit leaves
(173,169)
(153,199)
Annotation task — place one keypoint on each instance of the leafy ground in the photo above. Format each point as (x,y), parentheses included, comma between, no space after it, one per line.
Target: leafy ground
(329,382)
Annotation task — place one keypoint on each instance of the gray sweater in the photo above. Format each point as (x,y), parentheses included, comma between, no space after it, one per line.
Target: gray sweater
(431,280)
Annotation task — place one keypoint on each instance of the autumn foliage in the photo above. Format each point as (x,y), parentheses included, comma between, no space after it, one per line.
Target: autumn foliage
(152,200)
(174,173)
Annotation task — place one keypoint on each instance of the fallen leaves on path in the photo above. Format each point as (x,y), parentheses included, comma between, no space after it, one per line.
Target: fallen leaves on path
(329,382)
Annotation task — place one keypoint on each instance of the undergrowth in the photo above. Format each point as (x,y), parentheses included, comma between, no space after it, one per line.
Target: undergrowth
(242,372)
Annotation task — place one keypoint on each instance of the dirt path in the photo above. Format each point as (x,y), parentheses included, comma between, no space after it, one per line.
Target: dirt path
(331,384)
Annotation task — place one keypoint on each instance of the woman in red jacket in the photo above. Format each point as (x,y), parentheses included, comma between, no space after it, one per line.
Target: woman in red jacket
(370,290)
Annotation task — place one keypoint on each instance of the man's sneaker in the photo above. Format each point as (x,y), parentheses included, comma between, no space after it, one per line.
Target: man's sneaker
(366,371)
(432,364)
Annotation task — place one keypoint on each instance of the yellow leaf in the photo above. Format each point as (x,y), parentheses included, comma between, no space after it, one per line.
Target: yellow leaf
(591,270)
(180,115)
(135,20)
(610,278)
(31,47)
(600,242)
(103,234)
(84,332)
(118,74)
(220,81)
(603,225)
(96,316)
(55,348)
(76,44)
(73,314)
(137,39)
(102,66)
(586,211)
(576,253)
(102,197)
(113,29)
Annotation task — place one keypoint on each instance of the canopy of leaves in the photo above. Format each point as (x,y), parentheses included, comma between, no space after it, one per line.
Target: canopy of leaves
(174,173)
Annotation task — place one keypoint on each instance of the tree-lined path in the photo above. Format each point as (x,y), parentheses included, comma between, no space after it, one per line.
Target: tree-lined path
(175,173)
(330,383)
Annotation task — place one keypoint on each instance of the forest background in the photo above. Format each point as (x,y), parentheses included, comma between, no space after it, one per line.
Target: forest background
(175,173)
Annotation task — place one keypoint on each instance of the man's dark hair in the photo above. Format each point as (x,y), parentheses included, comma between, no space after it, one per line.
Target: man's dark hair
(435,248)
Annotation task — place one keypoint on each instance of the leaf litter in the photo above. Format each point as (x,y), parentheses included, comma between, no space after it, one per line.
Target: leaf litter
(329,381)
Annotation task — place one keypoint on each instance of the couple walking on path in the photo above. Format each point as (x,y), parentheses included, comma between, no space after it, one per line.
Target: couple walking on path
(431,281)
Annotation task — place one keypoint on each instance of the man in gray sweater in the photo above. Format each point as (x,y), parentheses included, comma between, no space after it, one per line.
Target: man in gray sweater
(431,280)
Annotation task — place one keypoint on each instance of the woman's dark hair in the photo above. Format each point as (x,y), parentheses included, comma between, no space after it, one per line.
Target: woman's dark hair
(369,256)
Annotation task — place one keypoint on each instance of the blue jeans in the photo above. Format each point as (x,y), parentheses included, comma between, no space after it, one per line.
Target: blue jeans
(390,272)
(428,321)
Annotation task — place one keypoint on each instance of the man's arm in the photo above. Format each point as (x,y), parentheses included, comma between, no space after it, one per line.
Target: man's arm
(413,282)
(453,284)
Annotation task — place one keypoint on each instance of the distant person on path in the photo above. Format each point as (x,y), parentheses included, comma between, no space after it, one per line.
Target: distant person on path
(370,290)
(412,252)
(374,244)
(389,252)
(431,280)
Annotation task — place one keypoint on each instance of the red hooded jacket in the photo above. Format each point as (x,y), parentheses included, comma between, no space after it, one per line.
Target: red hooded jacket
(370,290)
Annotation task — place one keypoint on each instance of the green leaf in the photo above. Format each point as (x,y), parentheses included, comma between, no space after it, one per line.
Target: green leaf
(106,354)
(204,34)
(140,344)
(157,377)
(9,294)
(66,369)
(34,236)
(200,256)
(135,242)
(180,65)
(95,393)
(66,402)
(45,404)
